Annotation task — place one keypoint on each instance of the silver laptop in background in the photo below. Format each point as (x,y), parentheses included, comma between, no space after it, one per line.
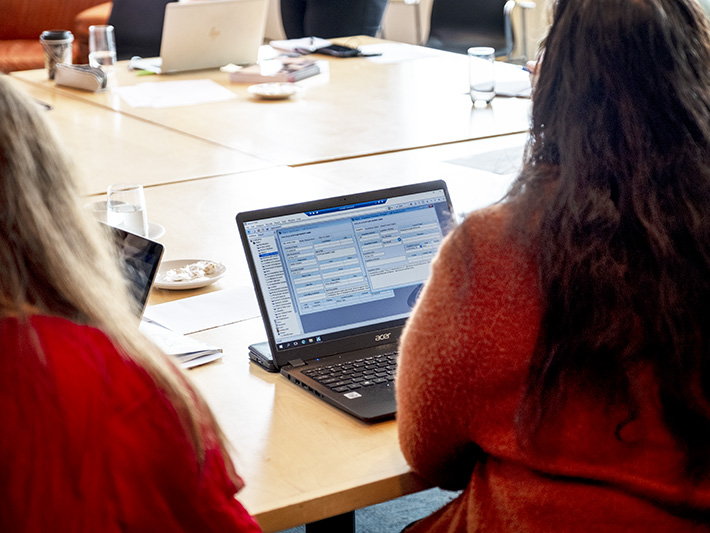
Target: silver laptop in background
(203,34)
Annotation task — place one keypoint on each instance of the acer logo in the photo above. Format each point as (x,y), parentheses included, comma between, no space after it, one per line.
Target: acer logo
(382,337)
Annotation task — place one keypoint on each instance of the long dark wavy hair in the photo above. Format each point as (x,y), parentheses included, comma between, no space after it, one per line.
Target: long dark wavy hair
(614,196)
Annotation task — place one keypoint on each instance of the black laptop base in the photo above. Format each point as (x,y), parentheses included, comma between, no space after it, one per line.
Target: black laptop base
(370,400)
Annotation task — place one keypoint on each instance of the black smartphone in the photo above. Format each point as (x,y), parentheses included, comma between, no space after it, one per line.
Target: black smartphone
(260,353)
(338,50)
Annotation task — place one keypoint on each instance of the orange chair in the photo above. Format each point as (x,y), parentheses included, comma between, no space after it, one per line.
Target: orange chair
(23,21)
(95,15)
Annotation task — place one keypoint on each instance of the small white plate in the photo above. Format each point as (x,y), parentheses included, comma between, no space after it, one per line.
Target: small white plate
(204,281)
(274,91)
(155,231)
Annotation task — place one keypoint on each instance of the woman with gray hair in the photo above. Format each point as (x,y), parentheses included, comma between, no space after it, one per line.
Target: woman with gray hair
(101,432)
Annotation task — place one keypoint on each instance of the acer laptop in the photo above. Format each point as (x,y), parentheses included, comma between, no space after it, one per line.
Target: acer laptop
(336,279)
(203,34)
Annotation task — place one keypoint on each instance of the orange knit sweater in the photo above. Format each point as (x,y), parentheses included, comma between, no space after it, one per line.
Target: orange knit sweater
(463,364)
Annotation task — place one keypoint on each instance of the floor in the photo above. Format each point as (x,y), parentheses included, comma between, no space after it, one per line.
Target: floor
(393,516)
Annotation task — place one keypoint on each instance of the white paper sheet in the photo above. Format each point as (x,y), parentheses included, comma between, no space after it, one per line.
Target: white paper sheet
(174,93)
(205,311)
(512,80)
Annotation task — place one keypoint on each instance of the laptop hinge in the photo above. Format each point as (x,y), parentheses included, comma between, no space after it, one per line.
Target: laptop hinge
(297,362)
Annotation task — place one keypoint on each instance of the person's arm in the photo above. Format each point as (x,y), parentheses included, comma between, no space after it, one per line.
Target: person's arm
(433,412)
(158,482)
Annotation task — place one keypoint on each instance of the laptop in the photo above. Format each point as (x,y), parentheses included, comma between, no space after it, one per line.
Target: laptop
(204,34)
(336,279)
(139,258)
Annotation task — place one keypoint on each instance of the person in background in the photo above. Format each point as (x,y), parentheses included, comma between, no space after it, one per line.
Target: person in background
(100,431)
(139,27)
(557,366)
(328,19)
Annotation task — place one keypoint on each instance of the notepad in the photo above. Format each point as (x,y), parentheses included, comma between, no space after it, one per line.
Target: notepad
(282,69)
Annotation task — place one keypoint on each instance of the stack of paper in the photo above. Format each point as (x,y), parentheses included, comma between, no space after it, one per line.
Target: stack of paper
(304,44)
(282,69)
(188,351)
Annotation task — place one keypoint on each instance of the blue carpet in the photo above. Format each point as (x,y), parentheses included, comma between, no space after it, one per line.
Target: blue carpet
(393,516)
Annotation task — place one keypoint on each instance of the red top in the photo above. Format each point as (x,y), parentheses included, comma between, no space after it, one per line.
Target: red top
(90,444)
(463,364)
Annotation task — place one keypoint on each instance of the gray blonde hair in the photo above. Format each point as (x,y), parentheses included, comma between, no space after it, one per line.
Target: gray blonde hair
(56,261)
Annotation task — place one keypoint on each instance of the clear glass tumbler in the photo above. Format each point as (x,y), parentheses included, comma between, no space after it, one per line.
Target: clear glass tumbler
(481,61)
(102,47)
(125,208)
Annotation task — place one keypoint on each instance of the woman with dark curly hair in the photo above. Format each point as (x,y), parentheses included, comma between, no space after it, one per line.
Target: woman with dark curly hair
(557,366)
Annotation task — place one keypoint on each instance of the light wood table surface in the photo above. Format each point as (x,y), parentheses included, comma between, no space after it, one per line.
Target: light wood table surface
(199,217)
(477,173)
(362,106)
(302,460)
(108,147)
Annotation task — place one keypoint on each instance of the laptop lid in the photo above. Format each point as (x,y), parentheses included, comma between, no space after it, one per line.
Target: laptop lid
(210,33)
(342,274)
(139,258)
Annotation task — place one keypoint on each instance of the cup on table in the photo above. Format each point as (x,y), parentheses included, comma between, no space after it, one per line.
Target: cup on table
(57,45)
(481,62)
(125,208)
(102,47)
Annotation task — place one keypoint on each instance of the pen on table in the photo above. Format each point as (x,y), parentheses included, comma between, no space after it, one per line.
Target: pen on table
(43,104)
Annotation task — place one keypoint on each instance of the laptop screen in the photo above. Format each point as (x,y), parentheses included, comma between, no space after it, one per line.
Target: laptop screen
(139,259)
(329,271)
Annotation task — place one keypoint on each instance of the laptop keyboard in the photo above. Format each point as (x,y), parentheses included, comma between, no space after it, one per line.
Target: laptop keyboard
(356,374)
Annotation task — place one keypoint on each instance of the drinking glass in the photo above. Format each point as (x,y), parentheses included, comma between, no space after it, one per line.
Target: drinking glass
(102,47)
(125,208)
(481,61)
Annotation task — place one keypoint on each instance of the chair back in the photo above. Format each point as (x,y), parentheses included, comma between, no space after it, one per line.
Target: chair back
(456,25)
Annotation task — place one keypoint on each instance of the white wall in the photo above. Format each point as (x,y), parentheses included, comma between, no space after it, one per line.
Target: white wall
(274,29)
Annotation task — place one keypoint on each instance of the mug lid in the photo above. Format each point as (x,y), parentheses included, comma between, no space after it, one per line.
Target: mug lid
(56,35)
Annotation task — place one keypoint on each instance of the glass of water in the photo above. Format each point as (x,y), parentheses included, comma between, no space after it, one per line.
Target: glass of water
(102,47)
(125,208)
(481,61)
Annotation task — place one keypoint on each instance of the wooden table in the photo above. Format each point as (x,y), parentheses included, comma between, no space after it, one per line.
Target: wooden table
(108,147)
(199,217)
(363,106)
(302,460)
(477,173)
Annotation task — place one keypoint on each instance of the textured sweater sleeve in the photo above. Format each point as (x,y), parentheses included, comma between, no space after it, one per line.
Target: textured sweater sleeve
(465,351)
(434,438)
